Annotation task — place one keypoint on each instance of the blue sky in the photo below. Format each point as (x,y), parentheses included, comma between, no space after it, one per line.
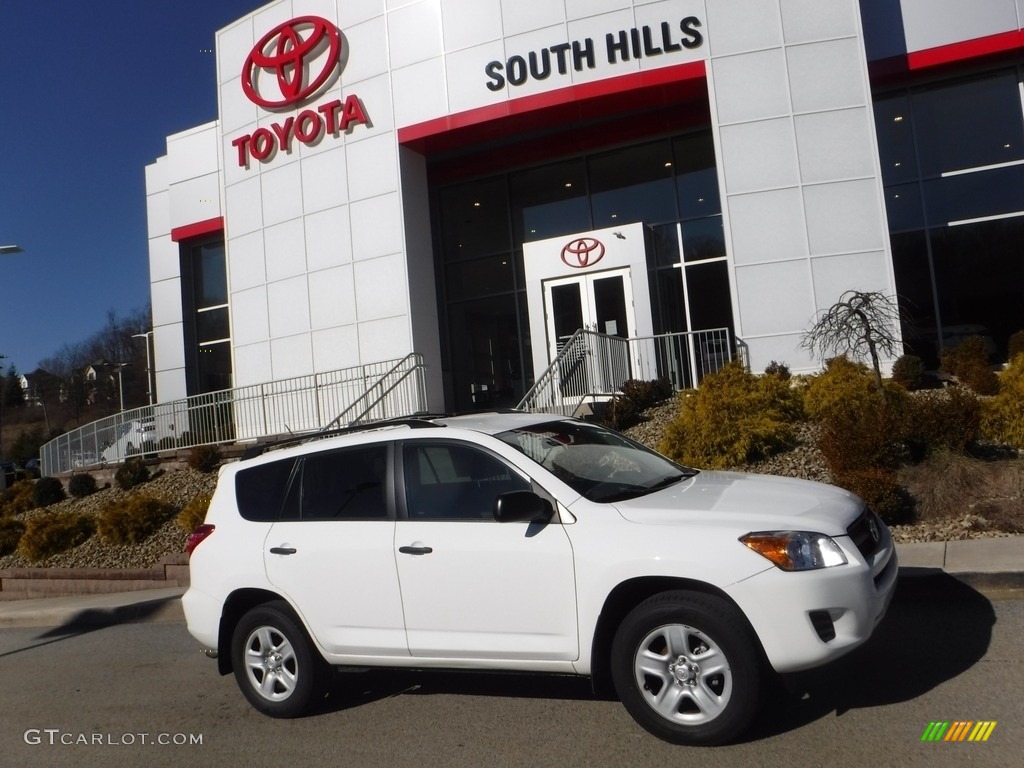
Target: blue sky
(88,93)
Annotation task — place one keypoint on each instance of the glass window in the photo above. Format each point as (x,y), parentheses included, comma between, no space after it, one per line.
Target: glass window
(210,274)
(914,288)
(895,129)
(974,195)
(259,490)
(549,201)
(452,481)
(485,352)
(696,175)
(969,123)
(979,275)
(903,207)
(349,484)
(703,239)
(664,240)
(480,277)
(212,325)
(707,285)
(213,365)
(474,219)
(633,184)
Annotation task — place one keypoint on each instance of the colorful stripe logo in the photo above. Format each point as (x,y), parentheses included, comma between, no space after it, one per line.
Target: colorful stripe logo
(959,730)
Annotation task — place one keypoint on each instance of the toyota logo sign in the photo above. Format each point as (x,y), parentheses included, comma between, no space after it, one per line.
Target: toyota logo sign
(582,252)
(276,71)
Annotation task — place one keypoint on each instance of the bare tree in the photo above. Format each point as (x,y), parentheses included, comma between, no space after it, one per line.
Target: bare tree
(862,324)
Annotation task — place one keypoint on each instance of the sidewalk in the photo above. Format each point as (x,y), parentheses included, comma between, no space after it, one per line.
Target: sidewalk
(994,567)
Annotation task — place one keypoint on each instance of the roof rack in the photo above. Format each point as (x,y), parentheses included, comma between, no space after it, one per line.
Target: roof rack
(417,421)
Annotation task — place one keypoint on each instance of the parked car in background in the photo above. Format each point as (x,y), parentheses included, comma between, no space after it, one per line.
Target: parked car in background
(531,542)
(132,437)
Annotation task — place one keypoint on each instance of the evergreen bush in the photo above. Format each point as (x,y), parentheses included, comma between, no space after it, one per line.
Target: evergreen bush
(132,520)
(48,490)
(734,417)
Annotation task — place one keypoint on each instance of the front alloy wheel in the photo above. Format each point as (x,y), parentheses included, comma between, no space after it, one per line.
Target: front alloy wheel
(686,669)
(275,665)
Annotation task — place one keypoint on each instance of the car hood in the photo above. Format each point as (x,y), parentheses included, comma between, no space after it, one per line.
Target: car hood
(752,502)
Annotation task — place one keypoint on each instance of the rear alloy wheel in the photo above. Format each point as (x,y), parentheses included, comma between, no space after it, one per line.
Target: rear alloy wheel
(686,668)
(275,664)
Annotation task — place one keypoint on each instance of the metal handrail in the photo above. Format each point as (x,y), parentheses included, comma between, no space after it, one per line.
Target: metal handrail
(683,358)
(288,406)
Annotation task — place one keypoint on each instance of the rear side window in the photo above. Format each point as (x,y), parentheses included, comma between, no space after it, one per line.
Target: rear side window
(260,490)
(349,484)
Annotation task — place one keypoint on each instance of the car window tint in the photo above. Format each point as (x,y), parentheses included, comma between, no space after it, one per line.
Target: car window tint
(345,485)
(445,481)
(260,490)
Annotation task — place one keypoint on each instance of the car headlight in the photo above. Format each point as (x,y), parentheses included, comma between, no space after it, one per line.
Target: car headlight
(796,550)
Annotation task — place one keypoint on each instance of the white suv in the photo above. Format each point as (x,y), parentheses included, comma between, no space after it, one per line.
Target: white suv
(514,541)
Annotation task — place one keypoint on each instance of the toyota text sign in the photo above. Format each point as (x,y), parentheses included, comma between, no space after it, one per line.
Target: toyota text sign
(288,67)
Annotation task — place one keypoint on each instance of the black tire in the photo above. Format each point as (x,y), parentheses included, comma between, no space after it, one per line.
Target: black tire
(687,668)
(275,664)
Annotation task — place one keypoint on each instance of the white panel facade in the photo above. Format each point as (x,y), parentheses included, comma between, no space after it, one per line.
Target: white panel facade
(933,23)
(327,232)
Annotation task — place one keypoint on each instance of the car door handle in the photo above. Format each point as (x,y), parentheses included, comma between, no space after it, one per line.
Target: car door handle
(415,550)
(283,550)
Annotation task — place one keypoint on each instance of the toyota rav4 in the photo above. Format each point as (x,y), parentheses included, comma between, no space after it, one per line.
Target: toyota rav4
(530,542)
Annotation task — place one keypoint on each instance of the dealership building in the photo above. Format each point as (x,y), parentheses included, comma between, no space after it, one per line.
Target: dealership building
(473,180)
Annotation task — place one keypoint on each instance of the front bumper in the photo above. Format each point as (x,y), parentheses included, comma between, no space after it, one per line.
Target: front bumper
(808,618)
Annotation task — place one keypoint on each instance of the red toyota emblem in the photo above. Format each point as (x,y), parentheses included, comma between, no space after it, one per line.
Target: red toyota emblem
(582,252)
(287,51)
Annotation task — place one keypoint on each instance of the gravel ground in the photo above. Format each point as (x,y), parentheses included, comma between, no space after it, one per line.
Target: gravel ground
(180,486)
(176,488)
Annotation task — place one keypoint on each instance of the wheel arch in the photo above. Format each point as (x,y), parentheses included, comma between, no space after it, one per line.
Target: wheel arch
(627,596)
(236,606)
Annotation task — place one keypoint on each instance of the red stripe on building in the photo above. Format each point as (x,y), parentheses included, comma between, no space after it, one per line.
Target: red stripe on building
(967,49)
(198,229)
(591,99)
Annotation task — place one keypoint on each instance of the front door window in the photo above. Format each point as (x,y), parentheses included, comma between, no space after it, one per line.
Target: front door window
(594,302)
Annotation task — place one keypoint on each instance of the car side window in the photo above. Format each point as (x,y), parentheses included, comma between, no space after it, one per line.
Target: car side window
(453,481)
(259,490)
(349,484)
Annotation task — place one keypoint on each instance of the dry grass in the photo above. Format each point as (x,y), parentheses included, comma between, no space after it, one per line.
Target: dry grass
(948,486)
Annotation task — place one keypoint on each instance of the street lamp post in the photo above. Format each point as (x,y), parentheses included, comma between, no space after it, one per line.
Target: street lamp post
(149,365)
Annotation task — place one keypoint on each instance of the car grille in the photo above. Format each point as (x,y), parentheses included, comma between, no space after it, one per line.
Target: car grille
(865,532)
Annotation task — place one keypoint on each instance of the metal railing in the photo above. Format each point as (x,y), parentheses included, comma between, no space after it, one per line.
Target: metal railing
(594,366)
(299,405)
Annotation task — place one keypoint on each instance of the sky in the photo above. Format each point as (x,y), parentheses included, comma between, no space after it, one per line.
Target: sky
(88,93)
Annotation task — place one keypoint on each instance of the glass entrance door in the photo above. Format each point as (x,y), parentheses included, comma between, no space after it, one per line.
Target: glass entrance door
(600,302)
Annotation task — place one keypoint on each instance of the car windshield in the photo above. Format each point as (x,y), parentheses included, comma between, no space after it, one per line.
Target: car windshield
(598,463)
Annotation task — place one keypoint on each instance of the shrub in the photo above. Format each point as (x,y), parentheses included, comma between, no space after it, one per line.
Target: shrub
(842,385)
(205,458)
(132,473)
(81,484)
(49,534)
(778,369)
(48,490)
(881,489)
(634,398)
(132,520)
(19,498)
(194,513)
(968,362)
(908,372)
(862,428)
(948,419)
(1015,345)
(1002,416)
(734,417)
(11,531)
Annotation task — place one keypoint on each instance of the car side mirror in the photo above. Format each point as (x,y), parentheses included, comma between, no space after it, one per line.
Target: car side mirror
(522,507)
